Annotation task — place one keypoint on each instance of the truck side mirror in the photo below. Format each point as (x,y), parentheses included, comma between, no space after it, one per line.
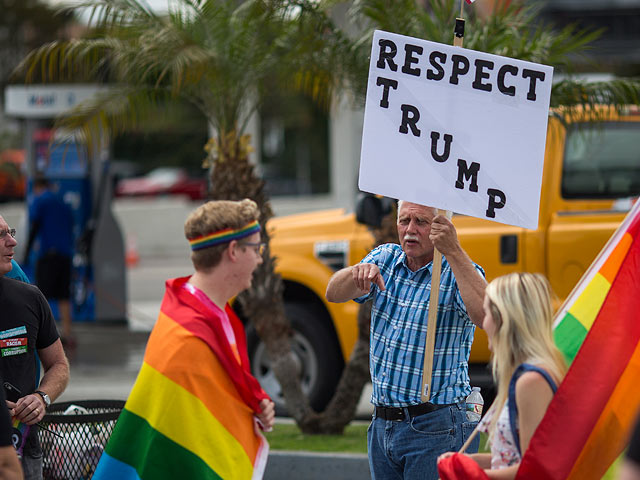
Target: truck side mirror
(370,209)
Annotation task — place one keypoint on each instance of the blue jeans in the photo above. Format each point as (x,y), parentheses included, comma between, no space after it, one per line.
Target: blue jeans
(32,467)
(409,448)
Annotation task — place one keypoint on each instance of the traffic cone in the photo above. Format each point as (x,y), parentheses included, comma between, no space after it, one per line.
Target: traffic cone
(132,257)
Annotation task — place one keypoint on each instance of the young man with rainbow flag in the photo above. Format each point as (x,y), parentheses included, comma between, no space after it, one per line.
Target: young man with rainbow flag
(195,411)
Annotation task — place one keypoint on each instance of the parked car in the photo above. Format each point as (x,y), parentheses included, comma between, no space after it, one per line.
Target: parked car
(12,175)
(121,169)
(163,181)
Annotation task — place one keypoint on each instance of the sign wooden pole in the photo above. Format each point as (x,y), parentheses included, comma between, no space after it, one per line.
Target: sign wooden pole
(432,319)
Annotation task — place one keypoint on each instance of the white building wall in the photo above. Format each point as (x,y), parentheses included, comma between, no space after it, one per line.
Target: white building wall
(345,139)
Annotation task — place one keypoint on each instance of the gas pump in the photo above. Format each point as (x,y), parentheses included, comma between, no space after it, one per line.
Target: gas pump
(81,178)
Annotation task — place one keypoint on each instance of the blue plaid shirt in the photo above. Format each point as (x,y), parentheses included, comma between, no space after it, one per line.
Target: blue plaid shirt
(399,330)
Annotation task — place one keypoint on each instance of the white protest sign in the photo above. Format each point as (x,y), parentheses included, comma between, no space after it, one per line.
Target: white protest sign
(455,129)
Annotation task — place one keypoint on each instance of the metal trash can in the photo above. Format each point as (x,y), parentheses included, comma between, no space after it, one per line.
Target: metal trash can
(75,436)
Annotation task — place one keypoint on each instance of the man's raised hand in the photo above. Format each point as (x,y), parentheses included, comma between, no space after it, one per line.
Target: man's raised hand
(366,273)
(443,235)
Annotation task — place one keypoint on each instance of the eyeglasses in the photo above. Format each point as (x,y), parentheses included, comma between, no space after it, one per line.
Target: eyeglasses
(8,231)
(259,247)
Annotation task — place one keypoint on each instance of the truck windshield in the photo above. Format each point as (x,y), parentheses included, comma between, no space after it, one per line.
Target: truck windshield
(602,161)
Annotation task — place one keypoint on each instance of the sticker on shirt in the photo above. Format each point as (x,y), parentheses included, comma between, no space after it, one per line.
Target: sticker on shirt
(8,352)
(13,332)
(13,342)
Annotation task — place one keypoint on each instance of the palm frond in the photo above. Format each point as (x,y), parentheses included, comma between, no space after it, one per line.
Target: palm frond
(110,14)
(111,112)
(579,94)
(67,61)
(512,30)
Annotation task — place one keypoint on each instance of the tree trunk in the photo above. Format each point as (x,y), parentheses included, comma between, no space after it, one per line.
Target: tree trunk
(342,407)
(233,177)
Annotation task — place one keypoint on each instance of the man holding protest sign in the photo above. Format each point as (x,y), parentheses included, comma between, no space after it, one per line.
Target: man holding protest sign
(406,435)
(450,128)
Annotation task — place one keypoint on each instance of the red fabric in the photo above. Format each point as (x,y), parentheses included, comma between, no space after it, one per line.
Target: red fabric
(460,467)
(188,311)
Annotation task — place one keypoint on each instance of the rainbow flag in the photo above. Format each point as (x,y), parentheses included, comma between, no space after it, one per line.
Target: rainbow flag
(190,413)
(588,422)
(19,434)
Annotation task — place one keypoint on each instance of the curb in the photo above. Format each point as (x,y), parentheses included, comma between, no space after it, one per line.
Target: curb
(316,466)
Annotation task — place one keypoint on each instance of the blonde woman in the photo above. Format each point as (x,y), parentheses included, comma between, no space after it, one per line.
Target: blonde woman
(526,365)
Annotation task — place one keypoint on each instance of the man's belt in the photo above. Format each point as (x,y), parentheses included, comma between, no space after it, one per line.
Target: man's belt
(398,413)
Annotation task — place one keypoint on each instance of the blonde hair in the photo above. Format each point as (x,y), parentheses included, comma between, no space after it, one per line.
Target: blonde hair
(520,304)
(214,216)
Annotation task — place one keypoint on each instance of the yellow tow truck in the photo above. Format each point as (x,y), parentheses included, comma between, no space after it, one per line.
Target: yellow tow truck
(591,178)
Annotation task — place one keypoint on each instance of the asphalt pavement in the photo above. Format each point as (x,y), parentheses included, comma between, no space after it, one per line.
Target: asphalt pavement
(107,358)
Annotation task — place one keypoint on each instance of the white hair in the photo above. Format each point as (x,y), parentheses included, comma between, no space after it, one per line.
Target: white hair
(400,202)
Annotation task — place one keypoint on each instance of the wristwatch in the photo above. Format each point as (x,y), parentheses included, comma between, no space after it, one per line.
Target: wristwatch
(45,397)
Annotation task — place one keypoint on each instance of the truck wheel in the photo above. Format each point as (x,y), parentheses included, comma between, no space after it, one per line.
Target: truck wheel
(314,347)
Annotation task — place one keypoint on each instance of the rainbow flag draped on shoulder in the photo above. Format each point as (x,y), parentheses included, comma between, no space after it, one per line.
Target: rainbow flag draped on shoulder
(190,413)
(589,420)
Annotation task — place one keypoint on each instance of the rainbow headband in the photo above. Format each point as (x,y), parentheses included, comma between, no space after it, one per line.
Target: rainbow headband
(224,236)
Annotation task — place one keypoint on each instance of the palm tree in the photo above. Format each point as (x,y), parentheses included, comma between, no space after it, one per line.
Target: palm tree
(223,56)
(512,29)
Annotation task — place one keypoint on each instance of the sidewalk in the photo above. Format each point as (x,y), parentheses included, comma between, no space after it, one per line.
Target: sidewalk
(317,466)
(105,363)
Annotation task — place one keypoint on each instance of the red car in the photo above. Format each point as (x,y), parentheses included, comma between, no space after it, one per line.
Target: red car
(163,181)
(12,177)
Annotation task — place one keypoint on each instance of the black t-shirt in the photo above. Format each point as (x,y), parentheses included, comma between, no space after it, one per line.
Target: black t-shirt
(5,421)
(26,325)
(633,452)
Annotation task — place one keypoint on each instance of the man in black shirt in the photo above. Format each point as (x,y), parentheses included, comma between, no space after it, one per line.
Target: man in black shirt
(27,326)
